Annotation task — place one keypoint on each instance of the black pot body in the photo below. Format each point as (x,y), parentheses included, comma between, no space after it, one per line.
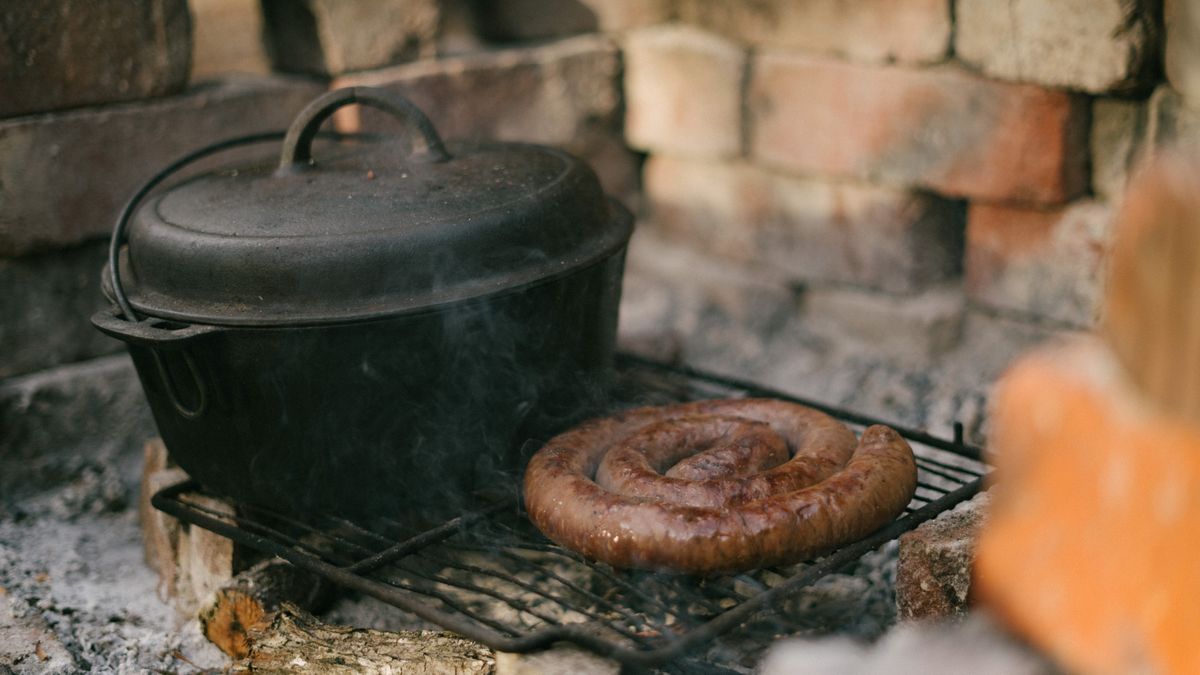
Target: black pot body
(395,417)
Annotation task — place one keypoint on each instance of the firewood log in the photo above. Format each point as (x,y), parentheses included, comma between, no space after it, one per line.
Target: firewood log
(248,601)
(191,562)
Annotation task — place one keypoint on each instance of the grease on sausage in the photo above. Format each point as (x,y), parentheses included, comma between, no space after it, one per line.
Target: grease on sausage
(745,508)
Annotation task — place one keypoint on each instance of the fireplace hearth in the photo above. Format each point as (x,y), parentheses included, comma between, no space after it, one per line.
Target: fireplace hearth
(876,206)
(488,575)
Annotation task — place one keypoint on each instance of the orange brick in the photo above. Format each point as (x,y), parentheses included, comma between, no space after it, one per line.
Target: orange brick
(943,128)
(1087,550)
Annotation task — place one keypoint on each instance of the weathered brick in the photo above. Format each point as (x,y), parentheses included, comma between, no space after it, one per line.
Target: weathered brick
(1091,45)
(806,230)
(564,94)
(331,37)
(61,54)
(64,177)
(933,573)
(867,30)
(546,94)
(502,20)
(943,128)
(1045,263)
(917,328)
(45,309)
(1182,23)
(1118,133)
(683,92)
(539,19)
(228,38)
(678,302)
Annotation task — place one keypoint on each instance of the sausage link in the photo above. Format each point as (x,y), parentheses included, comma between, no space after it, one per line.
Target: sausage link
(746,508)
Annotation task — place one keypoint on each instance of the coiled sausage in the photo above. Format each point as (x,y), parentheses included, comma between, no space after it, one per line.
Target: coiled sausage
(716,486)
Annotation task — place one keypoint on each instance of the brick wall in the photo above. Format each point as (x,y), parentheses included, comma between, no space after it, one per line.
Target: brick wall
(884,173)
(894,147)
(939,166)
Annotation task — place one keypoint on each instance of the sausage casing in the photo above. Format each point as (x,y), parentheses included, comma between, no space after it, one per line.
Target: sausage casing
(831,490)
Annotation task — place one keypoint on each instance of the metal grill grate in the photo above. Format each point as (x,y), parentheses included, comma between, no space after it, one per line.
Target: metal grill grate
(490,576)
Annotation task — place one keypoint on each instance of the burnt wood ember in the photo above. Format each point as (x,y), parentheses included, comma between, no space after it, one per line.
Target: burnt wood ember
(490,576)
(249,601)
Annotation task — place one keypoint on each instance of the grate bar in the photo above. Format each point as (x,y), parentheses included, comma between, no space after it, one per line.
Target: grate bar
(637,592)
(609,577)
(611,606)
(453,604)
(941,474)
(445,580)
(511,579)
(639,618)
(422,540)
(926,461)
(756,390)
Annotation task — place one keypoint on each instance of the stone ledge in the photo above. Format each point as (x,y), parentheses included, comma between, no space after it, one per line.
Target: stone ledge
(65,176)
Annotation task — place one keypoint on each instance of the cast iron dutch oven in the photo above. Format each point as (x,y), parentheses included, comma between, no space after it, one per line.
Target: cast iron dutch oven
(374,329)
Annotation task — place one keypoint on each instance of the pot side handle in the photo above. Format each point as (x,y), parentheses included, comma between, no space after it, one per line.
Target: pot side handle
(297,145)
(152,332)
(163,339)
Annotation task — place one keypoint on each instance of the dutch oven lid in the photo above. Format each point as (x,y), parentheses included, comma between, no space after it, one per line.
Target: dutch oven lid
(367,229)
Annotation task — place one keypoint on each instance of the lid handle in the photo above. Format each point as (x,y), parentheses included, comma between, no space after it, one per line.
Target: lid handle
(297,145)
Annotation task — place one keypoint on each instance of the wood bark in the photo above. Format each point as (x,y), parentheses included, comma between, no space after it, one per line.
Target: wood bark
(247,602)
(260,617)
(191,562)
